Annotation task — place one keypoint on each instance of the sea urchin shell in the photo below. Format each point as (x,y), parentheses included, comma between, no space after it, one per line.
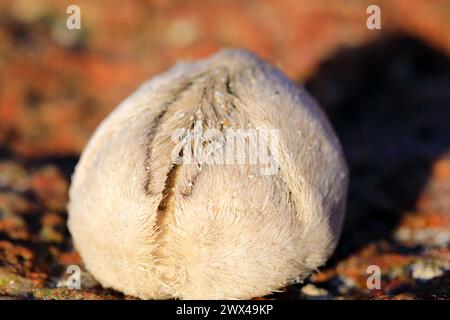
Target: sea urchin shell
(173,196)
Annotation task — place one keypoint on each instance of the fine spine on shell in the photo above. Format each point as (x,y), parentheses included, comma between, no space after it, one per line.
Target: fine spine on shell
(152,228)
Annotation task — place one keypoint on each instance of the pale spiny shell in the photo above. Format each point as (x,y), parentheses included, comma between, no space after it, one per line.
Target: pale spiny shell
(155,229)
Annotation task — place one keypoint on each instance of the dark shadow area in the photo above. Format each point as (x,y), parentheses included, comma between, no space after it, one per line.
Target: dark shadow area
(389,102)
(436,287)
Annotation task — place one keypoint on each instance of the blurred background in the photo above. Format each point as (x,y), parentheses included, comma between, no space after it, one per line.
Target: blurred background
(387,93)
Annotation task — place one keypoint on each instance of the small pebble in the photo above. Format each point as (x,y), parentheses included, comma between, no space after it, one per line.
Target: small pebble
(423,271)
(313,291)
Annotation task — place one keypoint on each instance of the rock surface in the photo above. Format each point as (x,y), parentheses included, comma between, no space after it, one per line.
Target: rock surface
(386,93)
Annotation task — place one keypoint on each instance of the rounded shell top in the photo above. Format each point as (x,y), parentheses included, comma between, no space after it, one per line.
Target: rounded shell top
(217,179)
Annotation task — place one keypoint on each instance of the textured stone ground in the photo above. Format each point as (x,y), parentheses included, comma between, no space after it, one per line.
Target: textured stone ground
(386,92)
